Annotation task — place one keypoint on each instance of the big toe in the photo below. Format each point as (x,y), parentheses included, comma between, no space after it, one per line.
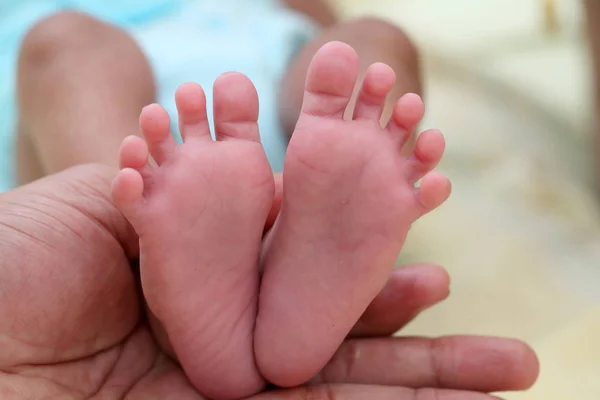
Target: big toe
(330,80)
(235,107)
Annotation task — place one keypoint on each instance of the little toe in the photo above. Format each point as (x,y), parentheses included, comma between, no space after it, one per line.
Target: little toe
(235,107)
(330,80)
(155,126)
(408,112)
(133,153)
(127,190)
(191,107)
(427,154)
(433,191)
(377,84)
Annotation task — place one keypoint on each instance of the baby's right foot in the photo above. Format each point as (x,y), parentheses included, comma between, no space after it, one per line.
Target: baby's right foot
(349,200)
(200,216)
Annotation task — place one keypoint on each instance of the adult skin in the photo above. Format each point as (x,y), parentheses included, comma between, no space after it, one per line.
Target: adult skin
(72,324)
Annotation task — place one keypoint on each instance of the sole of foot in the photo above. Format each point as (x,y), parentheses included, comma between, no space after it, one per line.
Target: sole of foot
(349,199)
(200,214)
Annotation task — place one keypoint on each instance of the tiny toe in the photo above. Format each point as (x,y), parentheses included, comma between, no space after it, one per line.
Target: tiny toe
(235,107)
(408,112)
(133,153)
(427,154)
(155,126)
(433,191)
(330,80)
(377,84)
(191,107)
(127,189)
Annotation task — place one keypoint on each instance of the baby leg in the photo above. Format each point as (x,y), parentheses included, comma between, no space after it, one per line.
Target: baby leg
(81,86)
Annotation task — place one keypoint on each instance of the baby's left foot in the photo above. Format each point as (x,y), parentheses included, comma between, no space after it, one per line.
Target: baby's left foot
(200,216)
(349,200)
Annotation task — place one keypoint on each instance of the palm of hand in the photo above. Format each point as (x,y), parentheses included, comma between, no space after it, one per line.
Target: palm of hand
(70,316)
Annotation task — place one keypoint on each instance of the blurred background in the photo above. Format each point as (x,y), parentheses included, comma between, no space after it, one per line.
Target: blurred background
(509,82)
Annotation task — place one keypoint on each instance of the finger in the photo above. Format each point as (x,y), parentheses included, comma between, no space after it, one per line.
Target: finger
(408,292)
(371,392)
(481,364)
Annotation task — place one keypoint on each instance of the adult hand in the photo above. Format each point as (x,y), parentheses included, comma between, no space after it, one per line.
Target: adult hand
(71,324)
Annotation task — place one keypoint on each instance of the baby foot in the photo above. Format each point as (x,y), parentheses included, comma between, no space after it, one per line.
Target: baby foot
(200,216)
(349,200)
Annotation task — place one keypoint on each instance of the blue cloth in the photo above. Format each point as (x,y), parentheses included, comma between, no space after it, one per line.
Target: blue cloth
(184,40)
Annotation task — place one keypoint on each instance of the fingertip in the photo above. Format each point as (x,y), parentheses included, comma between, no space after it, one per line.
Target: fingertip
(527,366)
